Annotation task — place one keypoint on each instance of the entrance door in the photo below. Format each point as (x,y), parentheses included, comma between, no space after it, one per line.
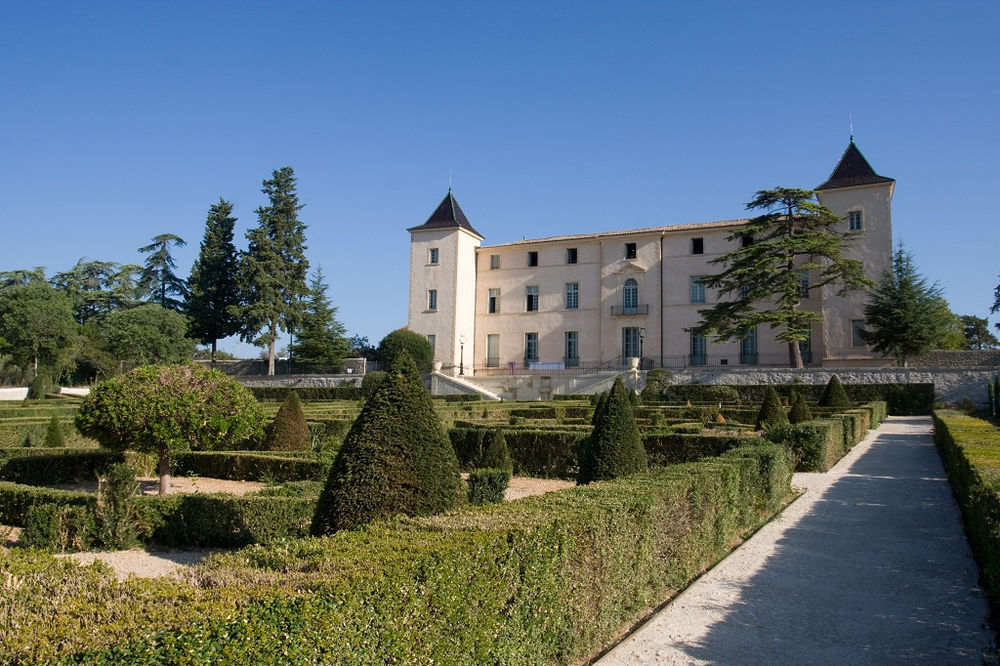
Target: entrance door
(630,342)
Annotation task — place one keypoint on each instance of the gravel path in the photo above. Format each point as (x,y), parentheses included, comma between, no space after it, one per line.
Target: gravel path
(869,566)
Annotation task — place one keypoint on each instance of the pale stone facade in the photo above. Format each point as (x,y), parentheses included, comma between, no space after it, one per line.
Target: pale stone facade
(593,300)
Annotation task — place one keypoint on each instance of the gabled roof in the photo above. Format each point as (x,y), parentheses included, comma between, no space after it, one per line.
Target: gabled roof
(447,215)
(853,170)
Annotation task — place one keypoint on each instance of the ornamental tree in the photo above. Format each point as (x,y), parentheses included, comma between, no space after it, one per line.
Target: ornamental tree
(614,448)
(147,334)
(163,409)
(322,339)
(415,345)
(793,249)
(158,276)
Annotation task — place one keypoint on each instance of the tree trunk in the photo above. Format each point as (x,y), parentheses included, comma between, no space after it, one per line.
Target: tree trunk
(270,357)
(164,470)
(795,356)
(214,342)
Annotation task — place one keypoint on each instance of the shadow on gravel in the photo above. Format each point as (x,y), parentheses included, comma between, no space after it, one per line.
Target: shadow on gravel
(877,572)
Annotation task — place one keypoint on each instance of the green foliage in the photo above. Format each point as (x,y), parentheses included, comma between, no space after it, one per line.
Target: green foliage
(657,381)
(37,328)
(116,523)
(698,393)
(977,334)
(970,449)
(148,334)
(321,340)
(54,436)
(614,448)
(771,414)
(414,344)
(58,527)
(158,277)
(488,485)
(548,579)
(288,431)
(98,287)
(495,452)
(307,393)
(396,459)
(763,278)
(40,466)
(904,316)
(274,267)
(39,387)
(250,466)
(799,412)
(17,499)
(816,446)
(673,448)
(371,381)
(834,395)
(213,288)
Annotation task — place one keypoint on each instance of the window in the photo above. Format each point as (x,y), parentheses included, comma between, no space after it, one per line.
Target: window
(571,255)
(857,328)
(493,350)
(748,347)
(697,289)
(493,303)
(630,342)
(805,346)
(855,221)
(494,262)
(532,258)
(432,299)
(803,277)
(531,300)
(530,347)
(433,256)
(697,349)
(630,251)
(697,246)
(572,349)
(572,295)
(432,340)
(630,297)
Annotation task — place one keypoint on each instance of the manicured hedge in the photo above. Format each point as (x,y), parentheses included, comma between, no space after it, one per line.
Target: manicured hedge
(16,499)
(459,397)
(902,399)
(50,466)
(816,445)
(549,579)
(673,448)
(279,393)
(250,466)
(970,449)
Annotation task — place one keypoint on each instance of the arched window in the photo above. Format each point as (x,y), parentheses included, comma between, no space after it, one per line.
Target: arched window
(630,296)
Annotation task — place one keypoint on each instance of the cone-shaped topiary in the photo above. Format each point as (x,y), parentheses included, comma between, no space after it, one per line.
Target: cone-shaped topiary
(289,431)
(771,412)
(834,395)
(495,452)
(599,405)
(799,413)
(54,436)
(396,458)
(614,448)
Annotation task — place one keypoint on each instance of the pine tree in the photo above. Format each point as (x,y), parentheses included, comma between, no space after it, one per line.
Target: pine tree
(322,339)
(273,269)
(904,315)
(771,413)
(614,448)
(834,395)
(799,412)
(289,430)
(396,458)
(794,241)
(158,277)
(213,289)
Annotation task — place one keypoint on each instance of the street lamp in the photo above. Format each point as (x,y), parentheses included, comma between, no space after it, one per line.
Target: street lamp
(461,354)
(642,339)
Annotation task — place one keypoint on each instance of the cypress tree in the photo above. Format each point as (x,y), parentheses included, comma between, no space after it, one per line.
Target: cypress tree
(289,431)
(799,413)
(614,448)
(834,395)
(213,290)
(396,458)
(771,413)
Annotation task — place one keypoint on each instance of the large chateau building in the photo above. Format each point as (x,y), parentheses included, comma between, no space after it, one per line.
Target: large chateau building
(595,300)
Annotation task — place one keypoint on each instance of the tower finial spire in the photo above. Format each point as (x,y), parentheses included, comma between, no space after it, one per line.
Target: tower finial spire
(449,181)
(850,121)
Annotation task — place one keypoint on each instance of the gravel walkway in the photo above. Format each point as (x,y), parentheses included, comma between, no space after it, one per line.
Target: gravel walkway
(869,566)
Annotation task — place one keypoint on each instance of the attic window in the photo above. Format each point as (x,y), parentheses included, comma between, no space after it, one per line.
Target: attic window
(571,255)
(630,250)
(532,258)
(697,246)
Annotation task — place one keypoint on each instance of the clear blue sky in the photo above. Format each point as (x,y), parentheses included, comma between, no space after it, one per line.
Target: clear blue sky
(123,120)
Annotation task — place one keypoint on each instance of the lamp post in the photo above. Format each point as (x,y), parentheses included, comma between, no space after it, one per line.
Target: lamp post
(642,339)
(461,354)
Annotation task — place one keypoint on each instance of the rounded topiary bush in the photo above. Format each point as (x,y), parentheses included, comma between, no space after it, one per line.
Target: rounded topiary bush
(771,413)
(799,412)
(495,452)
(415,345)
(656,381)
(289,430)
(614,448)
(834,395)
(396,458)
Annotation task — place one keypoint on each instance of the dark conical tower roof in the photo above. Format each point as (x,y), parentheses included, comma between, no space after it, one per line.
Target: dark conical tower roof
(853,170)
(447,215)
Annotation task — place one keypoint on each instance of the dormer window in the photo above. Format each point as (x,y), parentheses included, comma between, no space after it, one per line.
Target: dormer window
(855,221)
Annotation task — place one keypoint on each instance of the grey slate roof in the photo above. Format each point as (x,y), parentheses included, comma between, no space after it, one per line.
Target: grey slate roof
(447,215)
(853,170)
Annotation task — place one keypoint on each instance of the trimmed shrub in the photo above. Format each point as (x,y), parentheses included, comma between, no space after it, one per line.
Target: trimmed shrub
(412,344)
(495,452)
(59,527)
(799,413)
(279,393)
(54,436)
(16,499)
(371,381)
(116,524)
(488,485)
(288,431)
(614,448)
(250,466)
(771,414)
(39,387)
(834,395)
(675,448)
(657,381)
(397,458)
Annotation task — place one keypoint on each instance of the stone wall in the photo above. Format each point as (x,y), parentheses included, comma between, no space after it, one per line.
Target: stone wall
(955,358)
